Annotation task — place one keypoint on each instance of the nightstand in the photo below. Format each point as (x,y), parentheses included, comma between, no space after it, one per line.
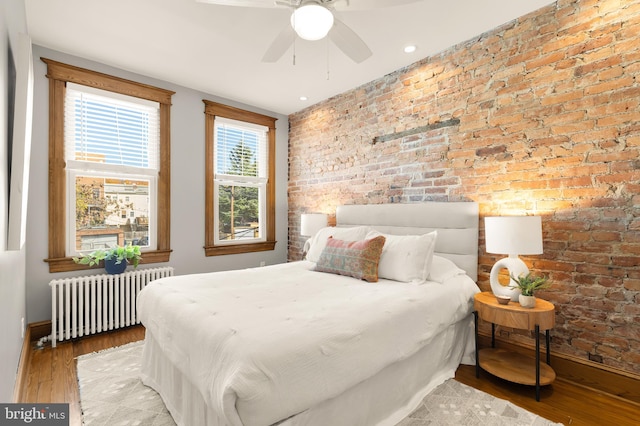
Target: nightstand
(505,364)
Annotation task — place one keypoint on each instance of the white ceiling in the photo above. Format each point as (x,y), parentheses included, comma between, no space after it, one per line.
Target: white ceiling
(218,49)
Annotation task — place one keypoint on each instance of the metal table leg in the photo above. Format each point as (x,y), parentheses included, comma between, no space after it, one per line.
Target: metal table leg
(475,315)
(493,335)
(538,362)
(548,338)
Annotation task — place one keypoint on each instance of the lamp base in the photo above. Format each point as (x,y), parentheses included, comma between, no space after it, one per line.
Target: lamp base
(516,267)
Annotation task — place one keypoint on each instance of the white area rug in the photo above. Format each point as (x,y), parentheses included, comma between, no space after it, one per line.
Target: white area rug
(112,394)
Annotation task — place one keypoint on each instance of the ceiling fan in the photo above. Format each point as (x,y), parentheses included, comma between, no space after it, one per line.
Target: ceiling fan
(314,20)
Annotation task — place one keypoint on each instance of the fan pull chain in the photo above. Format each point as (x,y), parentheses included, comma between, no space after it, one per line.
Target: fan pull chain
(294,41)
(327,44)
(294,50)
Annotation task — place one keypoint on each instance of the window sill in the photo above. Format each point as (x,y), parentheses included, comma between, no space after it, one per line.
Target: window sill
(239,248)
(66,264)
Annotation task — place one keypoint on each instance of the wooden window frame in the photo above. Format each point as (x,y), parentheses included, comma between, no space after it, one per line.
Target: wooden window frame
(211,110)
(59,74)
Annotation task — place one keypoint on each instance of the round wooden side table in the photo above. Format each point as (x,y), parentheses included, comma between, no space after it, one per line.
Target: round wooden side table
(505,364)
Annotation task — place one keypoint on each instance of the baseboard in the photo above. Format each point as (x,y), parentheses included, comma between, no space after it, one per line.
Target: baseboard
(40,329)
(33,333)
(598,377)
(23,368)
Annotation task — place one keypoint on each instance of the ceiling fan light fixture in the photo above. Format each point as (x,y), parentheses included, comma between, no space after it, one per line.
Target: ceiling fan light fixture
(312,21)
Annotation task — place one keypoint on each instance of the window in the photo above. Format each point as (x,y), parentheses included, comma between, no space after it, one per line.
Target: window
(240,181)
(109,166)
(111,148)
(240,187)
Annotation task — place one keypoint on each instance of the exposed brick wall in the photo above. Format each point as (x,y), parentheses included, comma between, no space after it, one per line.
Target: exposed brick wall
(549,109)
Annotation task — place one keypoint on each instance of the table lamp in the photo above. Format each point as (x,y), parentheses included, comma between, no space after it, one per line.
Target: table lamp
(511,235)
(310,223)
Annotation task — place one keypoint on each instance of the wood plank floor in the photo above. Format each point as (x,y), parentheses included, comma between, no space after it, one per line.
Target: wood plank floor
(52,374)
(52,377)
(563,401)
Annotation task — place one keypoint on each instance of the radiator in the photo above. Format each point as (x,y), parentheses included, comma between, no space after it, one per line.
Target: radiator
(92,304)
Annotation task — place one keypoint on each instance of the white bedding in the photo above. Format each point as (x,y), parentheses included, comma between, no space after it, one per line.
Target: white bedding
(264,344)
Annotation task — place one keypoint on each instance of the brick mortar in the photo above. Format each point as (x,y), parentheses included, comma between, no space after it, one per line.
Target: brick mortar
(549,109)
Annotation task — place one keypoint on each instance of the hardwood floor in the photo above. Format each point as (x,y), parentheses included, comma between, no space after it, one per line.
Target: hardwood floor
(52,377)
(563,401)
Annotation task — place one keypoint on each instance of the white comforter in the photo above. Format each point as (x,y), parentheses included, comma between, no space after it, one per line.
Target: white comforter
(267,343)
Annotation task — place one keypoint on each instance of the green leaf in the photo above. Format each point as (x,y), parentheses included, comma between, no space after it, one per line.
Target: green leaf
(129,253)
(529,284)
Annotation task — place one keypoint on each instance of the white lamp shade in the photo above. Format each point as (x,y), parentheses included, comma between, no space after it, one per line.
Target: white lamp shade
(312,21)
(513,235)
(311,223)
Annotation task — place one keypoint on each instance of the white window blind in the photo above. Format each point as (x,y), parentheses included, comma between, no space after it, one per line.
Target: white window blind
(240,150)
(105,128)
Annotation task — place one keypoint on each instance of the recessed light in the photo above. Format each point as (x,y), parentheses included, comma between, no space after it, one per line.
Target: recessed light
(303,98)
(410,49)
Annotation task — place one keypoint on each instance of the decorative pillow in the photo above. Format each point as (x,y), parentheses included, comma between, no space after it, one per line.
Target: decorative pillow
(406,258)
(319,240)
(442,269)
(357,259)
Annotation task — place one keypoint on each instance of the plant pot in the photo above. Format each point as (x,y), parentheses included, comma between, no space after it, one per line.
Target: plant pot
(114,268)
(527,301)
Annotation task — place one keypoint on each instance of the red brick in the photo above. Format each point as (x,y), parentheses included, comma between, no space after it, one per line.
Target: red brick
(548,107)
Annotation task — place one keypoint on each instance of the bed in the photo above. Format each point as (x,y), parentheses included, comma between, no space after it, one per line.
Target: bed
(289,345)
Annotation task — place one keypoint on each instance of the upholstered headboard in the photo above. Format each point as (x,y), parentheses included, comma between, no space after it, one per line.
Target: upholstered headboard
(456,223)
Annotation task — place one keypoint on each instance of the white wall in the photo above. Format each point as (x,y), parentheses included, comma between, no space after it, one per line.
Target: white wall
(12,263)
(187,185)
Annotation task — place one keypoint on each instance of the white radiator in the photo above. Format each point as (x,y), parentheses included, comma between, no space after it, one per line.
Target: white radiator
(88,305)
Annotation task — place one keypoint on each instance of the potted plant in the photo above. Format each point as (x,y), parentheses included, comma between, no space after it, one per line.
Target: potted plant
(528,285)
(115,258)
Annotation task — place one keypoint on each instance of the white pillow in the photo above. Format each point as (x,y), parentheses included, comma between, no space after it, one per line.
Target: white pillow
(319,241)
(406,258)
(442,269)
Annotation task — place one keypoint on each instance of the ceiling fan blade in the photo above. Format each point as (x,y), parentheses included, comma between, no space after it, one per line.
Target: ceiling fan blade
(279,45)
(242,3)
(349,42)
(339,5)
(342,5)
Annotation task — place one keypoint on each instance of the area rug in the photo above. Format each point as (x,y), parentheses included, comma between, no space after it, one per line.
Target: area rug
(112,394)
